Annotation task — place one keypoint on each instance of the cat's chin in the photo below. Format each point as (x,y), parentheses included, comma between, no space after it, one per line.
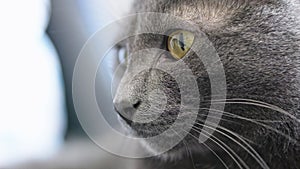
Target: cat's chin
(174,154)
(182,150)
(178,152)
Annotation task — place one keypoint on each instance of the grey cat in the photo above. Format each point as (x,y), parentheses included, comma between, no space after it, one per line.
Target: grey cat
(258,42)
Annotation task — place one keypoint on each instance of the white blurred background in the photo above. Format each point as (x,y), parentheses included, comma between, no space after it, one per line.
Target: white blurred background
(36,110)
(31,92)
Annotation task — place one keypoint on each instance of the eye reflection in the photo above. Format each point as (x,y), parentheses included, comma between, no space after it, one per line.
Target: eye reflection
(179,43)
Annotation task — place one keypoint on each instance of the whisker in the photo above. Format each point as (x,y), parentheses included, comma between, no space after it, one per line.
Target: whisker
(256,156)
(224,147)
(231,121)
(227,114)
(249,100)
(190,153)
(255,122)
(224,164)
(275,108)
(186,146)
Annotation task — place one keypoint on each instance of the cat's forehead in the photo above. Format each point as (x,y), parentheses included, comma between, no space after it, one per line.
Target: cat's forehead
(167,5)
(208,13)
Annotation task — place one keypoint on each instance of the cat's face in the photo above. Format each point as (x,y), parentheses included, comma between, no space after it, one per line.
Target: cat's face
(258,45)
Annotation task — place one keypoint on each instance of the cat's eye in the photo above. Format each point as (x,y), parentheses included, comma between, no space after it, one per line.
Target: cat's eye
(179,43)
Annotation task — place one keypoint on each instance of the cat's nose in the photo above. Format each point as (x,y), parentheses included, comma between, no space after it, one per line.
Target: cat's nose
(126,110)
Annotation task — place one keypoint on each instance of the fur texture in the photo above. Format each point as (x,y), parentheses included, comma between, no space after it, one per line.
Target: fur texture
(258,43)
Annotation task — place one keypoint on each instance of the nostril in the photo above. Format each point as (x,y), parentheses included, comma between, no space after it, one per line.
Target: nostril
(126,110)
(137,104)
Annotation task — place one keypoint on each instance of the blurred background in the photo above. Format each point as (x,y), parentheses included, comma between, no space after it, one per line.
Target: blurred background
(40,42)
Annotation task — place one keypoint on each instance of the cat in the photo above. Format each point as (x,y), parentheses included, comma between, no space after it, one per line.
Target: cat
(258,43)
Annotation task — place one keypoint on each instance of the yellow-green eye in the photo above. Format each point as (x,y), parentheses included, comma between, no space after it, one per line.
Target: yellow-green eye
(179,43)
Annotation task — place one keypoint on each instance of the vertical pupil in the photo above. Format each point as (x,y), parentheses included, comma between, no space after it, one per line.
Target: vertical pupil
(181,41)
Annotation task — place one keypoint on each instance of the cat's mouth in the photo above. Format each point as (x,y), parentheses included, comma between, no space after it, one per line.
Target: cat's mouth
(151,128)
(179,150)
(186,130)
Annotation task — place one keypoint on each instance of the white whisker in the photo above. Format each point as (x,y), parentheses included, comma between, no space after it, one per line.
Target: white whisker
(255,122)
(254,154)
(231,121)
(225,148)
(275,108)
(187,148)
(224,164)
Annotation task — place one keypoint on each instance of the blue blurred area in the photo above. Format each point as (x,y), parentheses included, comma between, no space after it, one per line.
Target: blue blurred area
(72,23)
(32,111)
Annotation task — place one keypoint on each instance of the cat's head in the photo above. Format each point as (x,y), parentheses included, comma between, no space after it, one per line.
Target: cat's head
(257,43)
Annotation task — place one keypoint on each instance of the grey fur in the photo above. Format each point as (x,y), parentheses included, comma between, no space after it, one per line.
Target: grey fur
(259,45)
